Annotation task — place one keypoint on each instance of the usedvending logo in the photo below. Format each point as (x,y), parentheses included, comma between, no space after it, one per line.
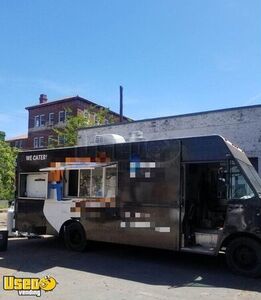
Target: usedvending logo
(28,286)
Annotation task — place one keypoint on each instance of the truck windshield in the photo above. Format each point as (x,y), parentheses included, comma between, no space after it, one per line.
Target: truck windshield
(239,188)
(249,173)
(252,175)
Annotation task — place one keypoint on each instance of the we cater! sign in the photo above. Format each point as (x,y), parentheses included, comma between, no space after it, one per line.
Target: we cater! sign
(36,157)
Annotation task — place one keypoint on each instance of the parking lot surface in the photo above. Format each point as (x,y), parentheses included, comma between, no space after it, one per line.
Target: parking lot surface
(106,271)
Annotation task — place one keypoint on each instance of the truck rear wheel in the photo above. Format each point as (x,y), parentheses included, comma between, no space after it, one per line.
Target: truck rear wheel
(74,237)
(244,257)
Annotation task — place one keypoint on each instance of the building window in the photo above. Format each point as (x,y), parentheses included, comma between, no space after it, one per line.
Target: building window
(19,144)
(86,113)
(61,116)
(50,140)
(51,118)
(91,117)
(42,120)
(41,142)
(61,140)
(37,121)
(67,114)
(36,142)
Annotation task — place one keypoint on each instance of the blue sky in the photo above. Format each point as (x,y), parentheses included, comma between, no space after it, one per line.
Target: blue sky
(171,56)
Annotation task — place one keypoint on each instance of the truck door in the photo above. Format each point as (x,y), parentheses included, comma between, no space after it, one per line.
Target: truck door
(203,205)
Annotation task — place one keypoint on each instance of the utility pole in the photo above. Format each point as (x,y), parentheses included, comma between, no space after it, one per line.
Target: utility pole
(121,103)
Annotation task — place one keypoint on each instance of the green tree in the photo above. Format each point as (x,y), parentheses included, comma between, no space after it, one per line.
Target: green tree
(2,135)
(87,118)
(7,170)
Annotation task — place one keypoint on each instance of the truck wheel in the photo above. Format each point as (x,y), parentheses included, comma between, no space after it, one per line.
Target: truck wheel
(74,237)
(244,257)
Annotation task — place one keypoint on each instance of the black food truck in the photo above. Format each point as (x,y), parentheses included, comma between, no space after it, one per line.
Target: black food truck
(198,194)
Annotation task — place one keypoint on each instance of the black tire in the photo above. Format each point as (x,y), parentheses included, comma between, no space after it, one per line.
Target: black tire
(244,257)
(74,237)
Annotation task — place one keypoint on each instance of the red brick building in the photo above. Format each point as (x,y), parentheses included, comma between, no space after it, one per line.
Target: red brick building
(19,141)
(46,115)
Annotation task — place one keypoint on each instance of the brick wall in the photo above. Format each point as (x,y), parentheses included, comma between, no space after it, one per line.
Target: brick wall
(19,143)
(54,108)
(45,131)
(74,105)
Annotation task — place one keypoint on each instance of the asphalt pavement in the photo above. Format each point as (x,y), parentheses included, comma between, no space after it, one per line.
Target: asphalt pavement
(106,271)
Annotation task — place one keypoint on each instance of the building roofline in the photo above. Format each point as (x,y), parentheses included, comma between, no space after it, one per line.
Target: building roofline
(18,137)
(181,115)
(66,99)
(77,97)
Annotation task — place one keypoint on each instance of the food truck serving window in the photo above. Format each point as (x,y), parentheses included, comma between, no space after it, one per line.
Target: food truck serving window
(97,182)
(88,179)
(33,185)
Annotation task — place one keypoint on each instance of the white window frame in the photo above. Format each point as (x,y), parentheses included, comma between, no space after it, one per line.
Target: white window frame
(42,120)
(37,121)
(41,142)
(51,122)
(66,115)
(36,142)
(50,138)
(58,139)
(60,113)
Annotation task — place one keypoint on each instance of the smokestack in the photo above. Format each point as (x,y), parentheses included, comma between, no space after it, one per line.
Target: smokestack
(121,103)
(43,98)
